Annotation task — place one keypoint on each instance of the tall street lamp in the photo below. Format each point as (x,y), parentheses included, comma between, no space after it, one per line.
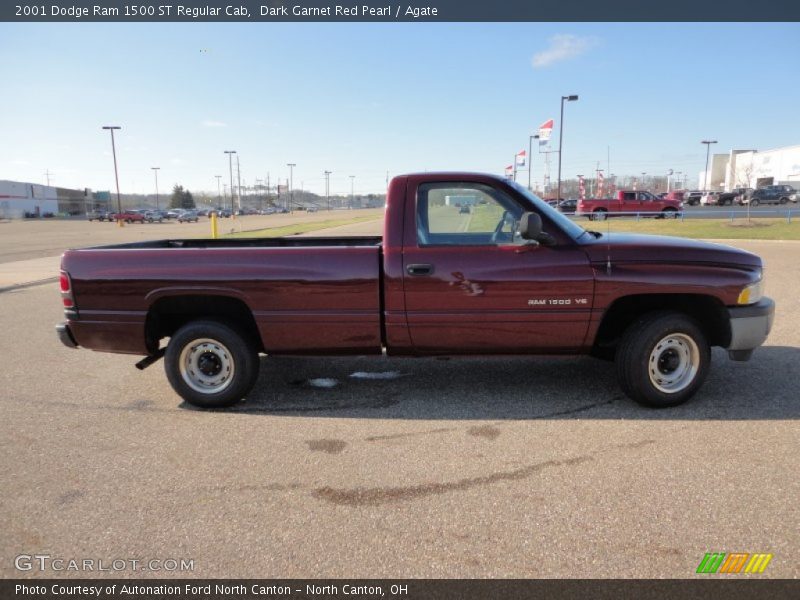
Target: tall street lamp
(530,157)
(708,154)
(239,187)
(571,98)
(643,185)
(291,186)
(352,191)
(328,188)
(219,193)
(155,172)
(230,154)
(111,128)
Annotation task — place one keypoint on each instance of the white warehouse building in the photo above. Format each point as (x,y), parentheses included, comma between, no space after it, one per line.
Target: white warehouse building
(753,169)
(18,198)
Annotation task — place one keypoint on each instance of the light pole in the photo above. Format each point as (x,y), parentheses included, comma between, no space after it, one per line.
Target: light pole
(111,128)
(155,172)
(219,193)
(291,186)
(239,188)
(530,158)
(708,154)
(352,190)
(230,154)
(571,98)
(643,185)
(328,188)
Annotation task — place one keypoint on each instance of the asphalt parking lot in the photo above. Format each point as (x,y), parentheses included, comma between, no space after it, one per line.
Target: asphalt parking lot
(505,467)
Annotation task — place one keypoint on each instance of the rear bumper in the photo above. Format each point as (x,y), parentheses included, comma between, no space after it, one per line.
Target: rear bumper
(750,326)
(65,335)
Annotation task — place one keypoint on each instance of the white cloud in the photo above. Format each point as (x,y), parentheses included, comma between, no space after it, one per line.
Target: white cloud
(210,123)
(563,46)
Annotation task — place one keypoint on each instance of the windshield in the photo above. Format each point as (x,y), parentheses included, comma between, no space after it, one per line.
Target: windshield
(568,225)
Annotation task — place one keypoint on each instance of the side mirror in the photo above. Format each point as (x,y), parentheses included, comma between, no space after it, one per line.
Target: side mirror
(530,226)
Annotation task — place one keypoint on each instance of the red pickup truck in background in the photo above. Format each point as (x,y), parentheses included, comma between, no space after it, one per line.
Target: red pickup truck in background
(129,216)
(511,276)
(628,202)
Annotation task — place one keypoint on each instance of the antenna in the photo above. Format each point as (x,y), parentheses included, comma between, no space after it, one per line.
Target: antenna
(608,247)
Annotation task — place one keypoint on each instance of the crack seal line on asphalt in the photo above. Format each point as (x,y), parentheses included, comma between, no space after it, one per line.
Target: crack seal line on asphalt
(27,284)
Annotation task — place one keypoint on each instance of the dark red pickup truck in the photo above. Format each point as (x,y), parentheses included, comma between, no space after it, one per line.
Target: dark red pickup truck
(629,202)
(512,276)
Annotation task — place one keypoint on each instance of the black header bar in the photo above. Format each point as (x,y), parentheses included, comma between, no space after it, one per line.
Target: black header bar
(372,11)
(713,588)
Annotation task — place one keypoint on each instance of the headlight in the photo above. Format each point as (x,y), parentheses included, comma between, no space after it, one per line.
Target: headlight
(752,293)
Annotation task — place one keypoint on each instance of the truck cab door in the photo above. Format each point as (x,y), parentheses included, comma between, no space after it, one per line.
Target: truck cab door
(472,285)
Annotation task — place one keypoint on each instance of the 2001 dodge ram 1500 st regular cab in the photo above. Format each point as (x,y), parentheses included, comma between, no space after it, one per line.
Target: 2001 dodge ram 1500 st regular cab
(512,276)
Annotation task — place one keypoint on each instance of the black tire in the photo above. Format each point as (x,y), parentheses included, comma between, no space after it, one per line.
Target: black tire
(784,200)
(599,215)
(655,347)
(669,213)
(223,350)
(754,202)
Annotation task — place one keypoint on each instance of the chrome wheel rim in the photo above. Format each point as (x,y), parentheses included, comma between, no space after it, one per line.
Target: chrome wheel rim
(206,366)
(673,363)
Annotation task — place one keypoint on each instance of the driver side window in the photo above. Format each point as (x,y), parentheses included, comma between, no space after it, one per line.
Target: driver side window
(465,214)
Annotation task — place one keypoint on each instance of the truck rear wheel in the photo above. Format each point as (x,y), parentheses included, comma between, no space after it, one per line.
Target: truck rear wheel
(599,215)
(210,364)
(663,359)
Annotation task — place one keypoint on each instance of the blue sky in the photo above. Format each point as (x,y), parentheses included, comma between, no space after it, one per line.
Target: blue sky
(361,99)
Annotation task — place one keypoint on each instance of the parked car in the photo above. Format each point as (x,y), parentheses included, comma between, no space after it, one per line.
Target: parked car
(129,216)
(533,282)
(709,199)
(99,215)
(692,198)
(729,198)
(174,213)
(675,195)
(464,209)
(627,202)
(151,216)
(311,209)
(770,194)
(743,193)
(569,205)
(188,216)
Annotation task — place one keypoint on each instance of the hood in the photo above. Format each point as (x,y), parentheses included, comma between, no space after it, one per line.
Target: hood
(633,247)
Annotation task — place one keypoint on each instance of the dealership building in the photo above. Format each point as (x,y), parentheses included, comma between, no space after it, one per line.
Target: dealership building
(753,169)
(20,199)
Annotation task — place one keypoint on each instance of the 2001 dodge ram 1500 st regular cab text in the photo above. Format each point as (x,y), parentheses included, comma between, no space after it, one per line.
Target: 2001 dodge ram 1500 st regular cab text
(512,276)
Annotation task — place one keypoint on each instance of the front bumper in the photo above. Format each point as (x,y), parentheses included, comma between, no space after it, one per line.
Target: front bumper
(750,326)
(65,335)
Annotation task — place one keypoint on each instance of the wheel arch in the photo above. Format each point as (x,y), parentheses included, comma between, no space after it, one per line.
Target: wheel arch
(708,312)
(169,312)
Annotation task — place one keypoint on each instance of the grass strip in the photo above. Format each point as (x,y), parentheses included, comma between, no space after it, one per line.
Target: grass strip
(295,228)
(721,229)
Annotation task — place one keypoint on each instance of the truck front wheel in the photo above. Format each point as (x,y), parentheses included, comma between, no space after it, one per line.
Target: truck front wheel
(662,359)
(210,364)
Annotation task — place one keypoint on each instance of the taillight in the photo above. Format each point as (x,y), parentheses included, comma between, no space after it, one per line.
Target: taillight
(66,290)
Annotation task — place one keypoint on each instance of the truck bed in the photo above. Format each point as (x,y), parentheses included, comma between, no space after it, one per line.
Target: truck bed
(305,294)
(277,242)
